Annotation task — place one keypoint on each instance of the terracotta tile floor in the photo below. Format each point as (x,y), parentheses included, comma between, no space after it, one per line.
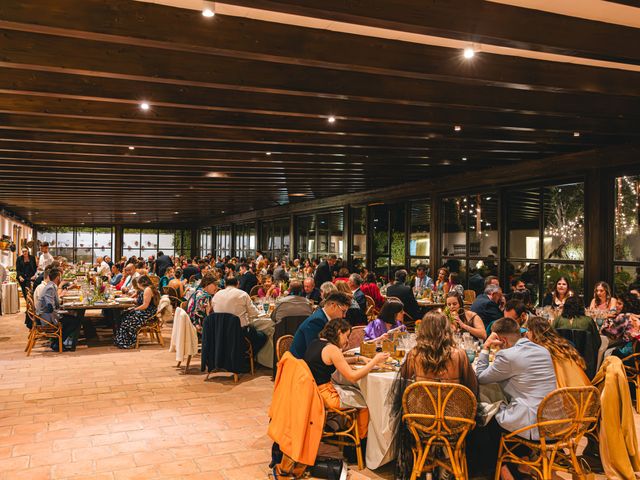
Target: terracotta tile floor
(103,413)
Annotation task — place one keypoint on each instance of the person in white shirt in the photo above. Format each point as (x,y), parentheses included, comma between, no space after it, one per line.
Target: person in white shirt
(129,271)
(45,258)
(237,302)
(102,268)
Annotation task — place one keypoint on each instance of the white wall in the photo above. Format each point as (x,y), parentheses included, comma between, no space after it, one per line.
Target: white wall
(7,257)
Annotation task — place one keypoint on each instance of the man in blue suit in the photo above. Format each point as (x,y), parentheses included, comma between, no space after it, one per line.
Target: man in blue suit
(487,305)
(335,306)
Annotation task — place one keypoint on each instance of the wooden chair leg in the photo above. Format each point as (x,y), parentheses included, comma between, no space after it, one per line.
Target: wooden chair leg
(30,345)
(178,365)
(186,367)
(31,334)
(358,443)
(138,339)
(235,378)
(59,341)
(637,382)
(160,339)
(499,462)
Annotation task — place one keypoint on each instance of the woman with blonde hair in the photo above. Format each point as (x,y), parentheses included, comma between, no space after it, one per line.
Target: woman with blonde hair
(567,362)
(602,298)
(133,319)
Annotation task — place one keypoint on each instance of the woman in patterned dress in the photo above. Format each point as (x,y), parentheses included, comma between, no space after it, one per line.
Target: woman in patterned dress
(199,305)
(133,319)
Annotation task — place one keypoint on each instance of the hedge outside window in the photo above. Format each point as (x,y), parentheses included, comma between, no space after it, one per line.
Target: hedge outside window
(419,234)
(359,237)
(388,239)
(627,233)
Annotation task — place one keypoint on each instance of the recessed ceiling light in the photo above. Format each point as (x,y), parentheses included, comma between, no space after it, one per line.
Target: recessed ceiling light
(217,175)
(446,162)
(576,134)
(207,12)
(134,213)
(148,221)
(468,53)
(222,211)
(297,194)
(331,119)
(176,213)
(145,106)
(268,153)
(464,159)
(457,128)
(132,148)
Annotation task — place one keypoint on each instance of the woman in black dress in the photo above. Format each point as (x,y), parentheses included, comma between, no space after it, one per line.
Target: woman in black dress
(133,319)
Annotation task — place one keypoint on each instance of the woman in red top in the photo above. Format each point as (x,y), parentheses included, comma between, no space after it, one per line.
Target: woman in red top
(370,288)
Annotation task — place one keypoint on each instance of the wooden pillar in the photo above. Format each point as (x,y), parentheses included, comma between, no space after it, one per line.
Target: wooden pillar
(118,239)
(435,235)
(599,219)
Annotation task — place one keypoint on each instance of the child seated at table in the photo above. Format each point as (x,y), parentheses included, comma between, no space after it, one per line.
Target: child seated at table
(390,318)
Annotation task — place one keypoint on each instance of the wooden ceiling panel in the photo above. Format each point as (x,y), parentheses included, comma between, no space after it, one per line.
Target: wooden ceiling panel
(249,101)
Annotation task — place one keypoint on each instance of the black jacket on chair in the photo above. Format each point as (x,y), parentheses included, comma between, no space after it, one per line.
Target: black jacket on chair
(587,344)
(223,344)
(405,294)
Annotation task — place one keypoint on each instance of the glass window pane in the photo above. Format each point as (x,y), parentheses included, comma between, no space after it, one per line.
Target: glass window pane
(523,223)
(483,225)
(149,239)
(84,255)
(564,222)
(380,224)
(397,235)
(67,253)
(573,272)
(167,240)
(336,227)
(627,214)
(323,233)
(103,240)
(419,241)
(131,241)
(84,238)
(65,238)
(359,232)
(305,235)
(529,273)
(454,226)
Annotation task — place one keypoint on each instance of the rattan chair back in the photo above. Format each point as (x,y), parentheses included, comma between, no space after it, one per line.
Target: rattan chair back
(356,337)
(568,413)
(254,290)
(440,409)
(283,345)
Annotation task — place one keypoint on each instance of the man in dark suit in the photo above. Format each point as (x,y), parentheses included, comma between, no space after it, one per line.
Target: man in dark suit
(487,305)
(355,281)
(323,272)
(310,291)
(162,263)
(335,306)
(405,294)
(248,279)
(25,269)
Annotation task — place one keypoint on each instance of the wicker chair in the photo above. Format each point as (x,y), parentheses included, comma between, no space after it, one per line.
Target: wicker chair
(356,337)
(564,417)
(41,328)
(173,295)
(254,290)
(372,311)
(348,434)
(469,296)
(632,369)
(439,414)
(153,327)
(283,345)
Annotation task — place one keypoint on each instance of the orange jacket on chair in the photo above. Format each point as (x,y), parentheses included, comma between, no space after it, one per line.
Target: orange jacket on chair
(618,443)
(297,411)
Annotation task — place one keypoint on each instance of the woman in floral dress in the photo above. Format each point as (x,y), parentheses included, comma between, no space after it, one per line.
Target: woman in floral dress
(132,320)
(199,305)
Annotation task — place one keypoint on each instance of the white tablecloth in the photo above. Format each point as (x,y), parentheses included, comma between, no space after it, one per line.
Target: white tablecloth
(9,298)
(264,324)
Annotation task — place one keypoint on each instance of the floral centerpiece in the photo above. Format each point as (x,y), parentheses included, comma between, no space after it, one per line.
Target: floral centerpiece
(449,314)
(98,290)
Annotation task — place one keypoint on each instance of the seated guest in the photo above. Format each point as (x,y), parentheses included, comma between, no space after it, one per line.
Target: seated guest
(102,267)
(355,281)
(310,291)
(190,270)
(147,305)
(634,289)
(453,285)
(237,302)
(176,283)
(280,272)
(370,288)
(573,318)
(421,281)
(141,269)
(324,356)
(169,274)
(116,275)
(559,295)
(569,365)
(199,304)
(355,315)
(487,305)
(293,305)
(465,320)
(343,275)
(247,279)
(404,293)
(516,310)
(624,327)
(47,305)
(391,316)
(268,288)
(526,375)
(602,299)
(125,283)
(517,287)
(326,288)
(441,280)
(335,306)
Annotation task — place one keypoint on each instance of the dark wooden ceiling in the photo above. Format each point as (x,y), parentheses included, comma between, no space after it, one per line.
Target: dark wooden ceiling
(248,101)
